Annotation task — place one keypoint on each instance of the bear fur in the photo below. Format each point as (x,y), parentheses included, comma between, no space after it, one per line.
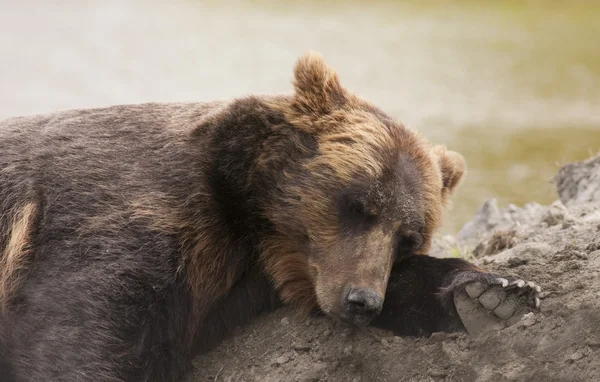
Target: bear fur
(134,237)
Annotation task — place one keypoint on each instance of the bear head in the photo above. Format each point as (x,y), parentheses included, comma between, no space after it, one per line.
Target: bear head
(372,192)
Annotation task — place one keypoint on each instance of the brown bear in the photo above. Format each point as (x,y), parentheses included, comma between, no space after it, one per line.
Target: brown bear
(134,237)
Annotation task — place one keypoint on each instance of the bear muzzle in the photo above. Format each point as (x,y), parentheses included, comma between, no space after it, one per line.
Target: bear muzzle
(361,305)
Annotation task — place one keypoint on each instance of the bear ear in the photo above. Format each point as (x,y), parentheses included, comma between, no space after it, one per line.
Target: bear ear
(318,88)
(453,167)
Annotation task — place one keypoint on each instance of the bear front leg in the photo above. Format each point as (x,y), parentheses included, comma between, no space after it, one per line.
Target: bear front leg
(427,294)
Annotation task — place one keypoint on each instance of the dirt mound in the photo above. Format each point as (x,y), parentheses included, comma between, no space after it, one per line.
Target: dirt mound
(557,246)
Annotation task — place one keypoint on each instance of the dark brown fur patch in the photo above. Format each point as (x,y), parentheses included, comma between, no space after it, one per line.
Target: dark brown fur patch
(15,256)
(208,267)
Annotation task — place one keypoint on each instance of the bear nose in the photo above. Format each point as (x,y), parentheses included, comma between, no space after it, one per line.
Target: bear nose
(364,301)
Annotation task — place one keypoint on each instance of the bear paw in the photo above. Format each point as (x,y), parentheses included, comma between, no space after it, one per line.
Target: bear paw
(488,302)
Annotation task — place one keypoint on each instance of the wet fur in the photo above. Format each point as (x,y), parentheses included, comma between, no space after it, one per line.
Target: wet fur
(134,237)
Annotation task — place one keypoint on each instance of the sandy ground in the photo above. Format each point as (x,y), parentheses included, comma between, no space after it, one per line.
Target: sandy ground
(557,246)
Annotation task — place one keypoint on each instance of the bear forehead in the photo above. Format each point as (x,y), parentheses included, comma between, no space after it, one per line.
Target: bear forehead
(396,195)
(370,146)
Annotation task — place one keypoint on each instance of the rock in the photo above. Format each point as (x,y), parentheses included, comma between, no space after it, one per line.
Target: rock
(593,342)
(505,224)
(438,337)
(483,221)
(441,246)
(437,373)
(576,356)
(595,258)
(579,183)
(555,214)
(300,347)
(347,332)
(528,320)
(520,254)
(499,241)
(316,372)
(592,217)
(281,360)
(516,262)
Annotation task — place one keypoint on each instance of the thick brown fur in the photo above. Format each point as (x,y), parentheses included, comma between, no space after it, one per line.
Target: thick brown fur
(133,237)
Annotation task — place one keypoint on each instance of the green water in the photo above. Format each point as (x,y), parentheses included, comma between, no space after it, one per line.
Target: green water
(513,85)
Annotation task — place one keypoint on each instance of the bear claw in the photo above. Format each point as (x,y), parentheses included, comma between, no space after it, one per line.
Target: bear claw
(492,303)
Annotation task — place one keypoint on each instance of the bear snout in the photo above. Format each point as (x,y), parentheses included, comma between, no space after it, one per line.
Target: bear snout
(361,305)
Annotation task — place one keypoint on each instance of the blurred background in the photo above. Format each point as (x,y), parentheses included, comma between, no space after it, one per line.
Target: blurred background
(512,85)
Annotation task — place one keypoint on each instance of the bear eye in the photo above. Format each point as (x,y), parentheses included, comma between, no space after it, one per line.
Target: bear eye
(356,207)
(355,213)
(408,242)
